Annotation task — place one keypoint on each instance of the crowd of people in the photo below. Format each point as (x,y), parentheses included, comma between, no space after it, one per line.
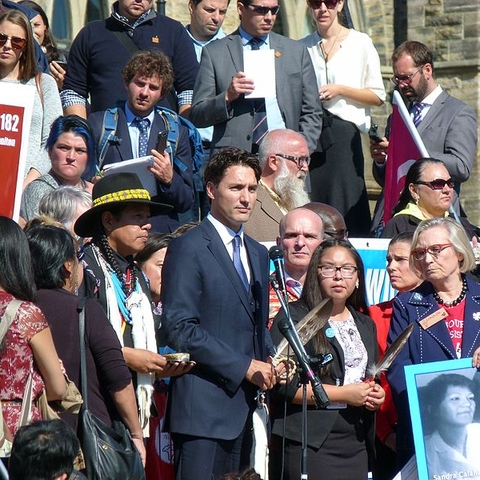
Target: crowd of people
(182,316)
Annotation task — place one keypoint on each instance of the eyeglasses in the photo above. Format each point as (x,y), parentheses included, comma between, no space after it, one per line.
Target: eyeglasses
(261,10)
(438,183)
(300,161)
(433,250)
(338,234)
(329,271)
(405,79)
(17,42)
(330,4)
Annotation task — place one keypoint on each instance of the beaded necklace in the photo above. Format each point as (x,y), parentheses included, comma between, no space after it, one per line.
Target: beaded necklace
(455,302)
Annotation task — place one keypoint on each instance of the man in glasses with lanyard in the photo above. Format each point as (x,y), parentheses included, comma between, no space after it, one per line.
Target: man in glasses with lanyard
(446,125)
(221,85)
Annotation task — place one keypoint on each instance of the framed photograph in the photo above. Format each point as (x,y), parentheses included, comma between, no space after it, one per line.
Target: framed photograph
(443,398)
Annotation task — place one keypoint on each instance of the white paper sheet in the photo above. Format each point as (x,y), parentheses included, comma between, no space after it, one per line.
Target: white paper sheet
(259,66)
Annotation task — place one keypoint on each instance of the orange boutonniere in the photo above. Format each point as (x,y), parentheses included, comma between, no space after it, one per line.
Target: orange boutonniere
(155,39)
(278,54)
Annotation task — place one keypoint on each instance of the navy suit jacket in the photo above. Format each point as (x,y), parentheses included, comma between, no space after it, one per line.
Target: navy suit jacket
(431,345)
(207,313)
(180,192)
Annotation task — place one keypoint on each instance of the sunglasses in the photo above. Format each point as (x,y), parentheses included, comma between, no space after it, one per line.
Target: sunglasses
(438,184)
(17,43)
(261,10)
(330,4)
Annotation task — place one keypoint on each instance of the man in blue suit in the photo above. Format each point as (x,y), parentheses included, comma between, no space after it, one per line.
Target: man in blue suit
(148,76)
(215,299)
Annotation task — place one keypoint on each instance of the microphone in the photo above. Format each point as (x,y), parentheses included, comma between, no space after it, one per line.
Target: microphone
(288,331)
(276,256)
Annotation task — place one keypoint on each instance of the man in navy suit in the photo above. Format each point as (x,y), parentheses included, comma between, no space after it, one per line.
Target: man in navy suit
(148,77)
(215,299)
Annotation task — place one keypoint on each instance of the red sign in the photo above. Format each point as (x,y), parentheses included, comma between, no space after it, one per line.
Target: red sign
(11,124)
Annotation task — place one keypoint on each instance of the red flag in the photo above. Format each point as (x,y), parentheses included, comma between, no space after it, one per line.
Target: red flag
(404,147)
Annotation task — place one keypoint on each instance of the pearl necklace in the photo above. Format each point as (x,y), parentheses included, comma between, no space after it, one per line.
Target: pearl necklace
(455,302)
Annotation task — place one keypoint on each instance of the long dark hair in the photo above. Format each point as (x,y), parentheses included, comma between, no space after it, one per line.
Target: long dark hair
(311,293)
(51,247)
(16,273)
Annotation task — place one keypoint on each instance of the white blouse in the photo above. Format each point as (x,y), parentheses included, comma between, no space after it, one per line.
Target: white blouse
(355,65)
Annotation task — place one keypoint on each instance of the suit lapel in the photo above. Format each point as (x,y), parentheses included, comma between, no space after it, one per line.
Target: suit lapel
(433,111)
(218,250)
(268,205)
(235,47)
(122,132)
(158,125)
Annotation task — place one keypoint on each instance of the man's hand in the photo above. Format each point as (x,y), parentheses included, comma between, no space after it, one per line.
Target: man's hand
(144,361)
(261,374)
(379,150)
(162,167)
(239,85)
(176,368)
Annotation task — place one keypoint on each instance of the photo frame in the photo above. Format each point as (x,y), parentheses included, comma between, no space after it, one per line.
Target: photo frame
(444,399)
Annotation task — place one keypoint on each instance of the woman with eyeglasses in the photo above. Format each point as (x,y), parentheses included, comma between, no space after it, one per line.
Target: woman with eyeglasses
(444,309)
(18,65)
(71,149)
(428,193)
(340,438)
(349,82)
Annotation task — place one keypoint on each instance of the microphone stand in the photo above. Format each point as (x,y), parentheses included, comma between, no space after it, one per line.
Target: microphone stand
(303,380)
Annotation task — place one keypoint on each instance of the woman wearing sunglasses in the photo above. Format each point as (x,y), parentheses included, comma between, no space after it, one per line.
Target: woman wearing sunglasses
(18,65)
(340,438)
(445,310)
(428,193)
(349,82)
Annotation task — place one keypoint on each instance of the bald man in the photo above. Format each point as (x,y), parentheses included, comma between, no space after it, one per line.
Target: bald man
(301,232)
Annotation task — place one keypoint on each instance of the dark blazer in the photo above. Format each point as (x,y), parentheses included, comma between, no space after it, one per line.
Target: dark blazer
(431,345)
(207,313)
(180,192)
(321,421)
(264,222)
(296,89)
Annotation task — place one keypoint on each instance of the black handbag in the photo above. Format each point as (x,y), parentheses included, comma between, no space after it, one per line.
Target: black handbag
(109,452)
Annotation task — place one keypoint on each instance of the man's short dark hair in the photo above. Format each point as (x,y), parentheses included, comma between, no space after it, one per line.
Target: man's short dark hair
(150,64)
(226,158)
(419,52)
(43,450)
(197,2)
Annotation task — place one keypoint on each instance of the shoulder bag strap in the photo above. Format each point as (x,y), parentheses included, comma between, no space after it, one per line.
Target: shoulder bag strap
(127,41)
(83,359)
(8,316)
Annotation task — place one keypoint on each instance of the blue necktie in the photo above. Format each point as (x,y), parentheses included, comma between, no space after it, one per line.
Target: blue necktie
(260,124)
(417,110)
(237,262)
(142,125)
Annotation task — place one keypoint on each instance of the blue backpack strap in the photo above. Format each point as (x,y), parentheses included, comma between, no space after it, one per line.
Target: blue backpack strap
(110,120)
(173,122)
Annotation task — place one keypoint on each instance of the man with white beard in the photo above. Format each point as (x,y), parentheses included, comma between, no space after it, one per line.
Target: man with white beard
(284,160)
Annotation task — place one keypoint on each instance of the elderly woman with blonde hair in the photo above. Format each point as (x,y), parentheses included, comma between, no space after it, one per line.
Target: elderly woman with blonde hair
(444,308)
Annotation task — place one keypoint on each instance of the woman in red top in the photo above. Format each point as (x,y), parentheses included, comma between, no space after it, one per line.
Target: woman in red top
(402,279)
(28,345)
